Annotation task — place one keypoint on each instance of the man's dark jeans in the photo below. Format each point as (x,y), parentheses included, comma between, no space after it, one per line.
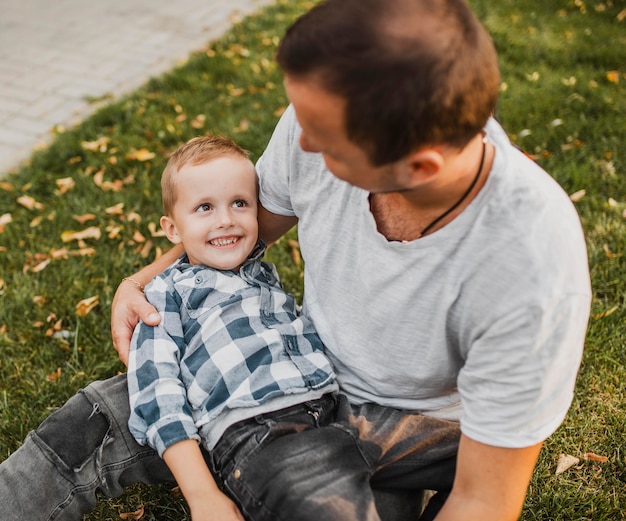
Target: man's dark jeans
(314,461)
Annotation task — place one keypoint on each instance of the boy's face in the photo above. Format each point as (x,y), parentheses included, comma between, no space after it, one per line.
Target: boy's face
(215,214)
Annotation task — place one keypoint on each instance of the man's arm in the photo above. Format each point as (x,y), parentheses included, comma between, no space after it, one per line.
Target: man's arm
(490,482)
(204,498)
(273,226)
(130,304)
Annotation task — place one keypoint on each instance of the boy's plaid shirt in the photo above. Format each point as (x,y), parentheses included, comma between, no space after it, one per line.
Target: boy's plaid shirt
(226,340)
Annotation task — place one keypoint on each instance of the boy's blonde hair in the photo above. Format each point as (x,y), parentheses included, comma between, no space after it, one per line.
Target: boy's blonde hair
(196,151)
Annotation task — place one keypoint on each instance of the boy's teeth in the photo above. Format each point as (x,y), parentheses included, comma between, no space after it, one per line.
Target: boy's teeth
(223,242)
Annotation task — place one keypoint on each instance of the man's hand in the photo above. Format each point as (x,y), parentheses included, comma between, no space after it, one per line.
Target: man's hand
(129,306)
(490,482)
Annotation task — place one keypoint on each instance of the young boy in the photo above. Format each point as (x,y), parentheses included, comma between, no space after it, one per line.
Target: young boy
(231,345)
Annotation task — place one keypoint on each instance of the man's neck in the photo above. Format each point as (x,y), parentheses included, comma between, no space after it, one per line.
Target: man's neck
(405,216)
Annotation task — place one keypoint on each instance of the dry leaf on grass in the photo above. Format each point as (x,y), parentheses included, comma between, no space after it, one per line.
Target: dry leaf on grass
(143,154)
(84,307)
(53,377)
(590,456)
(29,202)
(137,514)
(82,219)
(295,252)
(577,196)
(64,185)
(154,231)
(4,220)
(99,145)
(565,462)
(88,233)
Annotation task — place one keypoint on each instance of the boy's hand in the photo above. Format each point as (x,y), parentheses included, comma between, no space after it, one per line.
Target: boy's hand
(215,507)
(206,501)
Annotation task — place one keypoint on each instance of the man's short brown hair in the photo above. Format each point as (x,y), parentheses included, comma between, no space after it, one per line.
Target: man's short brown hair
(413,72)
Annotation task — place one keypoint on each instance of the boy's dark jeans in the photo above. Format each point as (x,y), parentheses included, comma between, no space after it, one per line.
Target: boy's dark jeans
(314,461)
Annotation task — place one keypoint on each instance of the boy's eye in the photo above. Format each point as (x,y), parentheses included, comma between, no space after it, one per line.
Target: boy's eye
(204,207)
(240,203)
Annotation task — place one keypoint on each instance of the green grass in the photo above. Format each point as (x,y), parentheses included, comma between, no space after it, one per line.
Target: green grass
(563,101)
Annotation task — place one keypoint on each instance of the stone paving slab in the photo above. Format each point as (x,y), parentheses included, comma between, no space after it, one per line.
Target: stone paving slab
(57,54)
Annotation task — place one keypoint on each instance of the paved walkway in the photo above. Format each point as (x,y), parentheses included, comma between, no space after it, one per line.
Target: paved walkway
(54,54)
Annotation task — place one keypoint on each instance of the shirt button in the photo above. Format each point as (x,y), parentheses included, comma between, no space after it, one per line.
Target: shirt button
(237,474)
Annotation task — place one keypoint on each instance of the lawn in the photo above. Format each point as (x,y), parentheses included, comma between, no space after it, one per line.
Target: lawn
(85,213)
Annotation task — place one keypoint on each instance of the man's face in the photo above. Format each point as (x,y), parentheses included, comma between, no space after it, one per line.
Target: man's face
(321,116)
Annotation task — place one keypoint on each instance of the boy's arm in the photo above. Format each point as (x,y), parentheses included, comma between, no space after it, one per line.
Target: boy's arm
(205,500)
(490,482)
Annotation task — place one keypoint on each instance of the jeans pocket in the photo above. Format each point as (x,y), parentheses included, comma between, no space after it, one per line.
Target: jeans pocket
(238,439)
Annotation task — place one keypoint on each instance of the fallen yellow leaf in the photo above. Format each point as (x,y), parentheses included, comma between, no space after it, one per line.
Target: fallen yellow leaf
(244,124)
(28,202)
(295,252)
(99,145)
(82,219)
(138,237)
(53,377)
(606,313)
(65,184)
(565,462)
(154,232)
(198,121)
(136,515)
(39,300)
(88,233)
(145,251)
(4,220)
(577,196)
(143,154)
(113,232)
(41,266)
(117,209)
(133,217)
(590,456)
(84,307)
(613,76)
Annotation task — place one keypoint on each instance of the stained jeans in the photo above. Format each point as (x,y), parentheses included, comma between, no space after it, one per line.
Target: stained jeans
(314,461)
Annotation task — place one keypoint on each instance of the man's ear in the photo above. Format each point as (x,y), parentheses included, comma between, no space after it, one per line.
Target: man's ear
(424,165)
(170,229)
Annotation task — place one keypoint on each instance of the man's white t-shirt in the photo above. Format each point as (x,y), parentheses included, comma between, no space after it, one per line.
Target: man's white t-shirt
(482,321)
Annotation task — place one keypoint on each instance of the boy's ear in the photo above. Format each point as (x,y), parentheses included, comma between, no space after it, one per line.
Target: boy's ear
(170,229)
(424,164)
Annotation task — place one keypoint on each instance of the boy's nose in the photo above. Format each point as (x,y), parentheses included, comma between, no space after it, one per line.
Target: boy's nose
(224,218)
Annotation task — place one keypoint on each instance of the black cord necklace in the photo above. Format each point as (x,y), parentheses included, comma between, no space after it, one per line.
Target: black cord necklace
(463,197)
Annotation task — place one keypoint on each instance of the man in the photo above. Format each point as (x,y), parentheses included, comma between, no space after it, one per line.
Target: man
(445,272)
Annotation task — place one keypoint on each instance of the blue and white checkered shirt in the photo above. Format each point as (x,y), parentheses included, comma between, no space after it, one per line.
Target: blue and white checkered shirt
(229,346)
